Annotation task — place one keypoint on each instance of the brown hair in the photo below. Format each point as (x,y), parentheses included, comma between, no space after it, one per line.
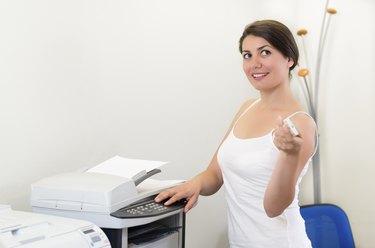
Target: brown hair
(277,34)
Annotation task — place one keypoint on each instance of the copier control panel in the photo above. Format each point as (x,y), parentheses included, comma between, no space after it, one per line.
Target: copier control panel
(147,208)
(95,237)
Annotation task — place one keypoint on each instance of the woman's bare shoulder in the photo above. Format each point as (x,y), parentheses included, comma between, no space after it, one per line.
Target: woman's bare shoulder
(243,108)
(305,124)
(247,104)
(304,119)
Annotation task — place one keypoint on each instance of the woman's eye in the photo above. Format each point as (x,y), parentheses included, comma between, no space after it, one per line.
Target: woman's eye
(265,53)
(246,55)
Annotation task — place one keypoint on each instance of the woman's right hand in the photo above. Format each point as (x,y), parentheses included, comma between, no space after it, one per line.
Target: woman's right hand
(189,191)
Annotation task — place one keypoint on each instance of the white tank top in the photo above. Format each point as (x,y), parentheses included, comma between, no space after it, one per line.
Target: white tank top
(247,165)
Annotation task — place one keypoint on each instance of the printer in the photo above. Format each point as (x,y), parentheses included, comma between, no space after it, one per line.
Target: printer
(30,230)
(113,202)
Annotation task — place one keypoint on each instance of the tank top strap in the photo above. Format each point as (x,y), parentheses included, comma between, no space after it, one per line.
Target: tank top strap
(300,112)
(245,111)
(316,129)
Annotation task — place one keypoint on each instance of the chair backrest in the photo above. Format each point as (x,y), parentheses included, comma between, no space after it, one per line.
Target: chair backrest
(327,226)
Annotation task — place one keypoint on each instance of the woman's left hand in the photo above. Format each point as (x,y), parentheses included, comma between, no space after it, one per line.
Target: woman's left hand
(284,140)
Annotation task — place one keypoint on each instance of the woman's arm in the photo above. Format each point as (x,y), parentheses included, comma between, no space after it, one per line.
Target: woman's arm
(294,154)
(206,183)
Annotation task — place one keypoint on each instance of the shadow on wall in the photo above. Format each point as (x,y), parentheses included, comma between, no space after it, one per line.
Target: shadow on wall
(223,239)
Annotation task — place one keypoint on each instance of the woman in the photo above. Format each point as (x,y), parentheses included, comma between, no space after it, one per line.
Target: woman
(260,163)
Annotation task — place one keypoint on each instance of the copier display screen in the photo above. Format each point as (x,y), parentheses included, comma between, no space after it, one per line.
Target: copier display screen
(95,239)
(88,231)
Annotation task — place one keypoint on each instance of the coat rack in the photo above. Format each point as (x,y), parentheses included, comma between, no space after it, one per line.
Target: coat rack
(311,90)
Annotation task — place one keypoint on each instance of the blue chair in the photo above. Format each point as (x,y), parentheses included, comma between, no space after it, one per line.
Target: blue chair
(327,226)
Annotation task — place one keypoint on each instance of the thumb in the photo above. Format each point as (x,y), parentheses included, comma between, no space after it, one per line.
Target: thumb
(279,121)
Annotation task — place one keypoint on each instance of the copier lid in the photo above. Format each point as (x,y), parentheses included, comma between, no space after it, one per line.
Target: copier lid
(84,191)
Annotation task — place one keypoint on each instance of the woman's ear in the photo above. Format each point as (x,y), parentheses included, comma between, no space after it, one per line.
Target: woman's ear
(290,62)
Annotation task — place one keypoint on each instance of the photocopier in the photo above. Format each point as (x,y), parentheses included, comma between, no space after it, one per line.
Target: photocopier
(122,206)
(19,229)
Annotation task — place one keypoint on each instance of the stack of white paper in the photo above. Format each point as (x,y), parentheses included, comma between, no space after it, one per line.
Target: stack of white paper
(134,169)
(126,167)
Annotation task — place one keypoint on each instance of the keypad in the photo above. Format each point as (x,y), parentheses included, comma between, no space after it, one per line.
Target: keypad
(147,208)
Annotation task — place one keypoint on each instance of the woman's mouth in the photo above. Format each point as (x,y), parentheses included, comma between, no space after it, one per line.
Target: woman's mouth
(259,75)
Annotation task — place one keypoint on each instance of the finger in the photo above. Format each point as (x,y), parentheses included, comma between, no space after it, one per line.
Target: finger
(172,200)
(176,195)
(190,204)
(163,195)
(279,121)
(159,198)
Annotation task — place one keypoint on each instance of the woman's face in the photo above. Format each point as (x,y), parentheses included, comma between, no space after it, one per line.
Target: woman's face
(264,66)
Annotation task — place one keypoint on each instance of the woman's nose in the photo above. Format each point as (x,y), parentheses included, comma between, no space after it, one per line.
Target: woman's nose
(255,63)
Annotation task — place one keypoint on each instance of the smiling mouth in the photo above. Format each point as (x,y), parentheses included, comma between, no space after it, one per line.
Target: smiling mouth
(259,75)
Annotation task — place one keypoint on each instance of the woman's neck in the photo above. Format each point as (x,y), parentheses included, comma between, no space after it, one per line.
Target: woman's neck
(278,99)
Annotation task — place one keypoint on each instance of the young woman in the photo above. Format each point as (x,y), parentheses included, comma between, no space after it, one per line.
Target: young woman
(260,163)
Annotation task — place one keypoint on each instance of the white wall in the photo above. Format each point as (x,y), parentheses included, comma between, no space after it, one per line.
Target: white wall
(347,104)
(348,119)
(81,81)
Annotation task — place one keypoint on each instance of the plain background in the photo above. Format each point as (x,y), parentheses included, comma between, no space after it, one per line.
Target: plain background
(82,81)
